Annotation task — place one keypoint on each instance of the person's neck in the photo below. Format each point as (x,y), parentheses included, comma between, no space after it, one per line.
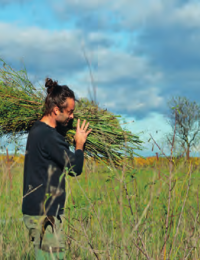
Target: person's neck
(49,121)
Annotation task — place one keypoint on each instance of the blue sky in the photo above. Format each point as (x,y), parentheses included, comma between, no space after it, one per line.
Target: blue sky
(141,53)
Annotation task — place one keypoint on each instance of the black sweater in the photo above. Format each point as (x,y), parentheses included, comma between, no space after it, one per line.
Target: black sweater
(46,158)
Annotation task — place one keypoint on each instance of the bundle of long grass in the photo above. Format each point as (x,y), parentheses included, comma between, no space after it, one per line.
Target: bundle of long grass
(21,104)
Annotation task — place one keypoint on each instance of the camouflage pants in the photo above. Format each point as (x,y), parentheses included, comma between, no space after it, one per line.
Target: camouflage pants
(47,236)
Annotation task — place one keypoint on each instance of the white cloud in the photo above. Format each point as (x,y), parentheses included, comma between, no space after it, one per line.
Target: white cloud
(130,100)
(158,13)
(117,66)
(86,5)
(132,14)
(118,72)
(43,51)
(188,15)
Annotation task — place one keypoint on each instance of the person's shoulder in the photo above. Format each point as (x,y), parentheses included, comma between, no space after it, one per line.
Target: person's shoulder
(41,130)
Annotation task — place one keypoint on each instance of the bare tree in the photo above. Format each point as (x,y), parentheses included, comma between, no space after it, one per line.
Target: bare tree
(187,124)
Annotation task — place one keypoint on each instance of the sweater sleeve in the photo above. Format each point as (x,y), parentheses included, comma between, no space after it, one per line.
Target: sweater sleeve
(59,152)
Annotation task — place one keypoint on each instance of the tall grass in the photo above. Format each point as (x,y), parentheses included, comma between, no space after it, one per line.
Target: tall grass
(139,213)
(114,213)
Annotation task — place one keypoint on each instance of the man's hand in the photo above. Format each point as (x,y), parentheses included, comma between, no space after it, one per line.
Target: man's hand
(81,134)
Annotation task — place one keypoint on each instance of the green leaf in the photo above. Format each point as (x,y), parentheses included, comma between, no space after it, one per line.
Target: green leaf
(61,176)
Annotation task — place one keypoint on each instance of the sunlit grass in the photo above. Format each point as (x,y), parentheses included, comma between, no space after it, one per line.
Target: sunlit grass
(114,213)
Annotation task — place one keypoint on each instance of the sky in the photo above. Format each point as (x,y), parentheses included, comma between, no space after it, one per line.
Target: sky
(141,54)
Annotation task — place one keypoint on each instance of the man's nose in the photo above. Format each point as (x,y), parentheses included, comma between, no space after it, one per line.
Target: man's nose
(72,116)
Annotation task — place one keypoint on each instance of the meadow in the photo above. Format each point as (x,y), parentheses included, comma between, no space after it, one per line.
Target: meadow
(149,211)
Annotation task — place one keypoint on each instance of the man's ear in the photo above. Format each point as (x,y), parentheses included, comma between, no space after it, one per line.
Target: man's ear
(56,110)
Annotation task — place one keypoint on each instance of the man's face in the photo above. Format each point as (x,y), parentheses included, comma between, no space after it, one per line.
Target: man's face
(67,115)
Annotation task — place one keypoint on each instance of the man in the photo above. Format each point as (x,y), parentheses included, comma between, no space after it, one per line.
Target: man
(47,156)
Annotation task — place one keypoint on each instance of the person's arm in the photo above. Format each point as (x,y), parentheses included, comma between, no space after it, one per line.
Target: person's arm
(59,152)
(80,139)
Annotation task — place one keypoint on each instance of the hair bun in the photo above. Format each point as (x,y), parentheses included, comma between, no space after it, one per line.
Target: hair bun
(50,84)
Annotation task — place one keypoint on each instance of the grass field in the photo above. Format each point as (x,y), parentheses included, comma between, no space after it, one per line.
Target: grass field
(143,213)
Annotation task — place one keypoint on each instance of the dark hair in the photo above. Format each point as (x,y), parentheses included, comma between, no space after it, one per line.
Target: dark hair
(57,96)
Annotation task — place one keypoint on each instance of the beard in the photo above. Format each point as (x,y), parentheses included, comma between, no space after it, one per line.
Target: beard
(63,127)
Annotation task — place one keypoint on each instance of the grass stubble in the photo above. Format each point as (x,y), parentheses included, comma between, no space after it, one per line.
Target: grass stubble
(115,213)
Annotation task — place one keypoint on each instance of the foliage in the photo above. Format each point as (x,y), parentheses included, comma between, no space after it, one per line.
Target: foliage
(187,117)
(21,105)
